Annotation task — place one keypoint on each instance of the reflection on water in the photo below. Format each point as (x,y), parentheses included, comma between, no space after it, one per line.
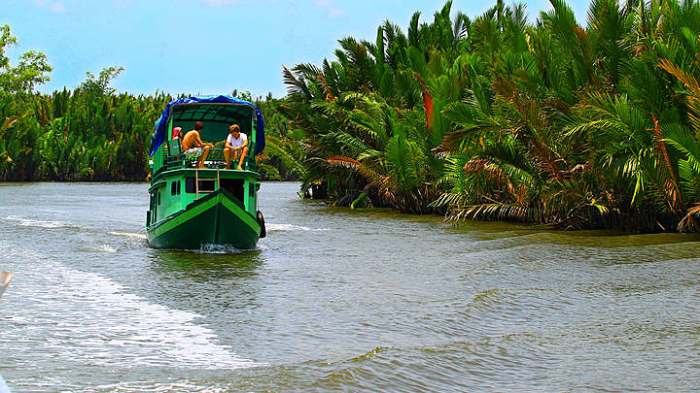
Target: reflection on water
(208,264)
(336,299)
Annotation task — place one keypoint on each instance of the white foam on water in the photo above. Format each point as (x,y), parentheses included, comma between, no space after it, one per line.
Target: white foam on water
(218,249)
(84,317)
(291,227)
(148,386)
(174,332)
(28,222)
(106,248)
(100,248)
(130,234)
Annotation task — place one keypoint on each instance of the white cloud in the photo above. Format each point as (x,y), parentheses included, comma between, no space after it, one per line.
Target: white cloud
(54,6)
(123,3)
(219,3)
(57,7)
(330,7)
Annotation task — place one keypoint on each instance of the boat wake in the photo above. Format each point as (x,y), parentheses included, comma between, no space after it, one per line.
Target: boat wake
(28,222)
(132,235)
(101,248)
(292,227)
(219,249)
(101,323)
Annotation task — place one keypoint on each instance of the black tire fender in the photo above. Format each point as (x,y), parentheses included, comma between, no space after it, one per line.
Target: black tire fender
(261,222)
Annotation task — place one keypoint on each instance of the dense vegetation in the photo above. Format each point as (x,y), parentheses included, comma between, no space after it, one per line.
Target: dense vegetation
(499,118)
(495,118)
(91,132)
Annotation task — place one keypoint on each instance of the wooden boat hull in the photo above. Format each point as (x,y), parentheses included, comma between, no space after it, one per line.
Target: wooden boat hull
(219,218)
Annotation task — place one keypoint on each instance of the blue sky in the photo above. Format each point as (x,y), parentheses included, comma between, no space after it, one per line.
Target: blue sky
(204,46)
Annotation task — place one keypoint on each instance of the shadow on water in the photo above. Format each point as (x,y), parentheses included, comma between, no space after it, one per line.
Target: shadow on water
(539,234)
(205,283)
(527,234)
(208,266)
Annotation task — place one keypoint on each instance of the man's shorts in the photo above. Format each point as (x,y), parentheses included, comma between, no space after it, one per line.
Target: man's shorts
(195,151)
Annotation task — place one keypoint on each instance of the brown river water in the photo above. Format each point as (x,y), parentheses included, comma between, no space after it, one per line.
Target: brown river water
(336,300)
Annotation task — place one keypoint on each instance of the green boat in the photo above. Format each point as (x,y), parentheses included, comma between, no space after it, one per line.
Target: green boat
(193,207)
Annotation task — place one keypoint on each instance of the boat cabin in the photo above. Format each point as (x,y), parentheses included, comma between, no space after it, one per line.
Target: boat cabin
(216,118)
(177,182)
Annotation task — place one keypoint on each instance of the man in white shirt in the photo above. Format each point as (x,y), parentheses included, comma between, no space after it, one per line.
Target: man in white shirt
(236,147)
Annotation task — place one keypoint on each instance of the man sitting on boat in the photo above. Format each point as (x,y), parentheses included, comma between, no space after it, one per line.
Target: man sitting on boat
(236,146)
(192,144)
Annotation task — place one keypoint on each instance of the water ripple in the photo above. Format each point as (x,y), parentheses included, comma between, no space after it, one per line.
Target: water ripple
(78,317)
(338,300)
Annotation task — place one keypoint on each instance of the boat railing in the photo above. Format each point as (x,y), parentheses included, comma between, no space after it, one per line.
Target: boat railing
(175,158)
(215,160)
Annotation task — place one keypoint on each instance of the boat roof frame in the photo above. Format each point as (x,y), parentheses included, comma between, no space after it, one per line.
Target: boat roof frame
(203,117)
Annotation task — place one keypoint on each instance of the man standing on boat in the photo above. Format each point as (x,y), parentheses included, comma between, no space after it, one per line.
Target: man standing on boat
(192,144)
(236,146)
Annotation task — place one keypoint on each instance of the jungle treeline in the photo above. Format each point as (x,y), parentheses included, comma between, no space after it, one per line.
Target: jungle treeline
(93,132)
(89,133)
(491,117)
(501,117)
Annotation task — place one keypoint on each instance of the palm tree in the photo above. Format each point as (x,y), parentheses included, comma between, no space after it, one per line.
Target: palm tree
(497,118)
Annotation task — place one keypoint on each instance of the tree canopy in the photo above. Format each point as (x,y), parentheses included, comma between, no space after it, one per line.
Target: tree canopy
(497,117)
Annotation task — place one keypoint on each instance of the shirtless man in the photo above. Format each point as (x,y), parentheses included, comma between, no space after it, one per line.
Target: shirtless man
(236,146)
(192,144)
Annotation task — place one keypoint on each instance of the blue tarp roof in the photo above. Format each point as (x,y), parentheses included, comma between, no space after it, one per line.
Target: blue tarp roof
(160,133)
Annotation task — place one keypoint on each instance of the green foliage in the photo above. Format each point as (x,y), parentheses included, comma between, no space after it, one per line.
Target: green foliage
(95,133)
(283,156)
(493,117)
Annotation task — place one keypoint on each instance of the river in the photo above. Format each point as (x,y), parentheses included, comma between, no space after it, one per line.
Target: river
(336,300)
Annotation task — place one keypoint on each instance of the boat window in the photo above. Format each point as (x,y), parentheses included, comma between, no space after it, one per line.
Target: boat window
(235,187)
(154,210)
(205,185)
(175,188)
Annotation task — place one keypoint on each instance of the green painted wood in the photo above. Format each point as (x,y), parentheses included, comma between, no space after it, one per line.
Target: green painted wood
(214,219)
